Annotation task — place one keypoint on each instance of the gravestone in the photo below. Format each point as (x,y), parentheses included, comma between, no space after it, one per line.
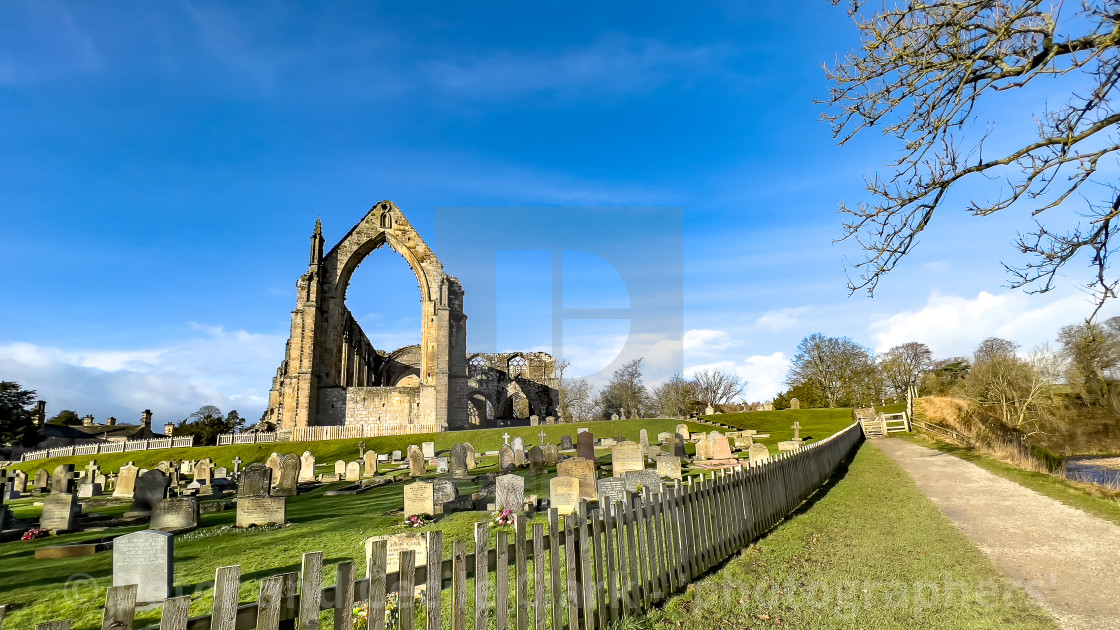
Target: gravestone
(151,488)
(203,471)
(534,421)
(566,443)
(307,467)
(394,545)
(471,463)
(610,489)
(88,490)
(759,452)
(506,460)
(703,447)
(585,445)
(676,446)
(518,444)
(42,480)
(564,494)
(583,470)
(396,456)
(63,478)
(442,465)
(536,460)
(416,466)
(371,463)
(261,510)
(288,484)
(419,498)
(428,449)
(551,455)
(664,437)
(653,453)
(626,457)
(19,482)
(669,467)
(794,403)
(682,430)
(788,446)
(59,511)
(442,492)
(146,559)
(457,462)
(175,514)
(743,441)
(614,416)
(340,467)
(720,447)
(353,471)
(273,462)
(509,492)
(549,420)
(255,482)
(643,439)
(102,481)
(636,480)
(518,452)
(186,467)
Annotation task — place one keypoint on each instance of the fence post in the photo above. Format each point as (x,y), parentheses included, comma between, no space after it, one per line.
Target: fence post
(435,580)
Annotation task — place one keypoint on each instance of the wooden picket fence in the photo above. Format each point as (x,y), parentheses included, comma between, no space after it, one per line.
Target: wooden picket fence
(587,570)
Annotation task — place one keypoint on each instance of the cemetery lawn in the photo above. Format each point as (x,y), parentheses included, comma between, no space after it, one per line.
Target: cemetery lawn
(1090,499)
(816,424)
(872,552)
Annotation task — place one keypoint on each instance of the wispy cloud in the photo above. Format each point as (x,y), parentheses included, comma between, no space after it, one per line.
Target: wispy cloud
(781,319)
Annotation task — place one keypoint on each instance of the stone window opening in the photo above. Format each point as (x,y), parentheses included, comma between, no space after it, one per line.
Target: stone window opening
(386,220)
(517,366)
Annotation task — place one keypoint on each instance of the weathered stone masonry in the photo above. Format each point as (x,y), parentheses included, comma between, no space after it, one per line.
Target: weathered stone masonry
(332,374)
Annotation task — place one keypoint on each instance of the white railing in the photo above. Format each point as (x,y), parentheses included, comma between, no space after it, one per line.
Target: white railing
(340,432)
(111,447)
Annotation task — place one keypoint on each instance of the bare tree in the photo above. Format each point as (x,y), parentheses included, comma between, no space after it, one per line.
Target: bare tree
(625,394)
(718,387)
(676,396)
(576,395)
(903,366)
(923,73)
(839,368)
(1017,387)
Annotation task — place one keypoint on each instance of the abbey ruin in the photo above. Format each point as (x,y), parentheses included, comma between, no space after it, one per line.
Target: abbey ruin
(333,375)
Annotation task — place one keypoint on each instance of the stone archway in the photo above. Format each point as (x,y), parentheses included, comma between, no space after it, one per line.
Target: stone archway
(332,374)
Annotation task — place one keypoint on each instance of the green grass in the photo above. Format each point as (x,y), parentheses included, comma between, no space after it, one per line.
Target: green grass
(873,552)
(1081,496)
(815,423)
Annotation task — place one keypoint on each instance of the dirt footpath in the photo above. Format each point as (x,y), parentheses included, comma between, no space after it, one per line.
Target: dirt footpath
(1067,560)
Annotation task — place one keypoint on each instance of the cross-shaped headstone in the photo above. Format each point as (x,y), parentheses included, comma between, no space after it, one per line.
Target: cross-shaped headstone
(236,465)
(796,430)
(505,436)
(361,449)
(543,436)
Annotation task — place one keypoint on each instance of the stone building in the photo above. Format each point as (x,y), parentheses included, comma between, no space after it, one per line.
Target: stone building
(511,386)
(332,374)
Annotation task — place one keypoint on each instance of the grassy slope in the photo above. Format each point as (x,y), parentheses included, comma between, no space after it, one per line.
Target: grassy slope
(815,423)
(871,553)
(1071,494)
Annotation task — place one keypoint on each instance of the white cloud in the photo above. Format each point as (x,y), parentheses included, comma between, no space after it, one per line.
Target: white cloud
(764,374)
(230,369)
(953,325)
(782,319)
(706,341)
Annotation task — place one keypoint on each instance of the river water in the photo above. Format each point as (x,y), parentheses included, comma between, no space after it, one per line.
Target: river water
(1104,471)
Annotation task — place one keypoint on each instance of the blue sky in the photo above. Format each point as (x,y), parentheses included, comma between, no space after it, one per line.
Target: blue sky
(162,166)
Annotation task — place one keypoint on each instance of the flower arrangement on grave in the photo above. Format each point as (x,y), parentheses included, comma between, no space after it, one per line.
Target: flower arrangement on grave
(32,534)
(415,520)
(503,518)
(392,610)
(361,616)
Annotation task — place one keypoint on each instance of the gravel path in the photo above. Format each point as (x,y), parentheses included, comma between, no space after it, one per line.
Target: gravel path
(1067,560)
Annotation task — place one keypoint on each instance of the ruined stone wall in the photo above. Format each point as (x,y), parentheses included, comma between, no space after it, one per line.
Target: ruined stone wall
(499,378)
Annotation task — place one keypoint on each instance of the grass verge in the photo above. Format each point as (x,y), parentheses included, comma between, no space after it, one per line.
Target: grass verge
(1085,497)
(873,552)
(816,424)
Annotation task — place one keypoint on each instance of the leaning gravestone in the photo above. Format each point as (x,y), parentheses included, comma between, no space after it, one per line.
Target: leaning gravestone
(636,480)
(59,510)
(585,445)
(395,544)
(509,492)
(146,559)
(582,470)
(126,481)
(307,467)
(564,494)
(611,489)
(416,466)
(287,485)
(151,488)
(536,460)
(256,481)
(669,467)
(759,453)
(419,498)
(626,457)
(506,460)
(177,514)
(457,465)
